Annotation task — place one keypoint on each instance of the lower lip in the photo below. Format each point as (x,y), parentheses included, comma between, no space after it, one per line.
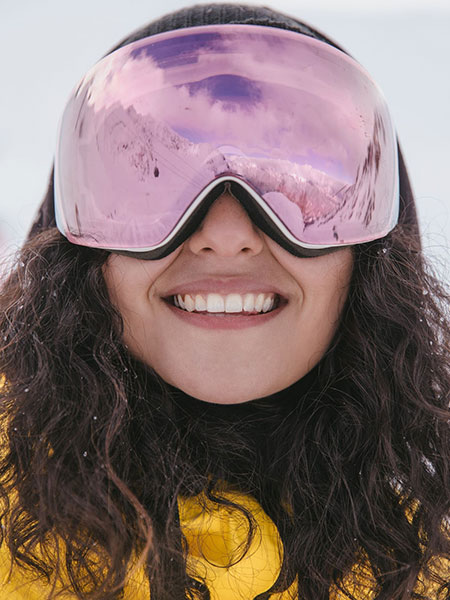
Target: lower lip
(225,320)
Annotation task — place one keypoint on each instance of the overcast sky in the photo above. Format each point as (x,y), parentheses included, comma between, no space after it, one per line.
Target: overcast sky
(47,45)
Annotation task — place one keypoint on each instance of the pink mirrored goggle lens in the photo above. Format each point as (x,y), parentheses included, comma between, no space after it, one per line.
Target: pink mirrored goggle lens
(154,126)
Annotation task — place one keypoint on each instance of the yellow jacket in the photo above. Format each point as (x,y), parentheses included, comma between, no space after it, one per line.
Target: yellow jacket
(215,535)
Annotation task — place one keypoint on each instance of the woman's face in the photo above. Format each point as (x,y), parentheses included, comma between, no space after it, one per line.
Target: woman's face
(228,264)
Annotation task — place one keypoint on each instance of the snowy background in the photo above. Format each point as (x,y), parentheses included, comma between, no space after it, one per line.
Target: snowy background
(47,45)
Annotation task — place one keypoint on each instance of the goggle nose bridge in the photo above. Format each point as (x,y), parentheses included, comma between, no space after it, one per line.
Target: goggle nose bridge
(252,207)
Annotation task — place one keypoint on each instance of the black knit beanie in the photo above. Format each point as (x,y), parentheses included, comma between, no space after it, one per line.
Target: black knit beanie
(215,14)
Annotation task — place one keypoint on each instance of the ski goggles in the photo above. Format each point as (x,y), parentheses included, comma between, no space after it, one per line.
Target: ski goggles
(295,127)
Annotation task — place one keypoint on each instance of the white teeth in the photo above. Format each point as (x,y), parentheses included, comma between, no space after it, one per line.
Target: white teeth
(189,303)
(231,303)
(267,304)
(249,302)
(200,303)
(259,302)
(214,303)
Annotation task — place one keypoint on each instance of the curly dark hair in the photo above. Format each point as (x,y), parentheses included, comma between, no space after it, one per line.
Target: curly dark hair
(351,463)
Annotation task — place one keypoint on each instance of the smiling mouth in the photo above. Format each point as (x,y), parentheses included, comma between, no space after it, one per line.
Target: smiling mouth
(230,304)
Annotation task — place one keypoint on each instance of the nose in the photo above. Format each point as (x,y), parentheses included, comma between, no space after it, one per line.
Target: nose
(227,230)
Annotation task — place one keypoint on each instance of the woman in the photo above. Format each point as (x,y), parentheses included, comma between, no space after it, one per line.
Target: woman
(225,370)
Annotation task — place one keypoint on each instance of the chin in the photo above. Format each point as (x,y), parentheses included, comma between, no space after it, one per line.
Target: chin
(226,400)
(224,395)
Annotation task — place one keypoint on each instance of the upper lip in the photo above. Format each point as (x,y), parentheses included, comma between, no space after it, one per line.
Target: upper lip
(235,285)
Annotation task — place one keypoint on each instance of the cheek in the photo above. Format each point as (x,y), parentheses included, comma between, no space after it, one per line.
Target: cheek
(325,311)
(313,330)
(140,330)
(130,283)
(324,283)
